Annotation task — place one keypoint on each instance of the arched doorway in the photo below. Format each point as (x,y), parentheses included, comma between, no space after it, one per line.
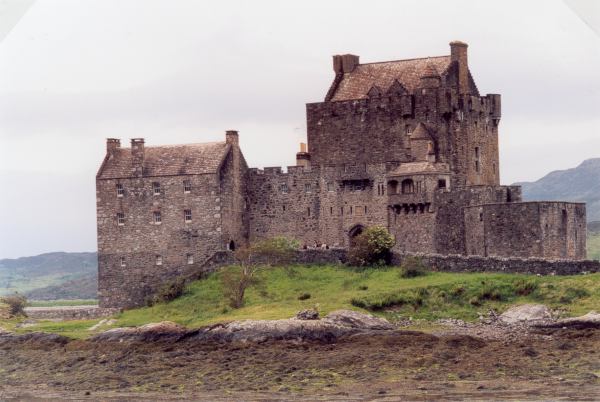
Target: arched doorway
(355,231)
(231,246)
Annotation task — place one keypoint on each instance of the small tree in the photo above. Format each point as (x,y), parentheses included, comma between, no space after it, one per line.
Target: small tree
(15,304)
(250,259)
(371,247)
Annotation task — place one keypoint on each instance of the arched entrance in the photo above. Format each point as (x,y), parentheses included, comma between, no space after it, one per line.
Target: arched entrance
(355,231)
(231,246)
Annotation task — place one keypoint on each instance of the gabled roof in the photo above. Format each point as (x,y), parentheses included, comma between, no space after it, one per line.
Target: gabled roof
(421,133)
(356,84)
(168,160)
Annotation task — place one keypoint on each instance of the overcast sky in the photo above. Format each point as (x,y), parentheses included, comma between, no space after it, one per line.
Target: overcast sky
(75,72)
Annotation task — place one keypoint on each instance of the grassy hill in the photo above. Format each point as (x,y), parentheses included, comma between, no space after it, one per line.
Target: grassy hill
(51,271)
(581,184)
(380,291)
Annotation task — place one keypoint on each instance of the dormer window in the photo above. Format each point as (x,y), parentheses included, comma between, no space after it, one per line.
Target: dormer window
(120,190)
(156,188)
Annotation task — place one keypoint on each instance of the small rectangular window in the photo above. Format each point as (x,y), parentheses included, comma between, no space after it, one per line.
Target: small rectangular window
(283,207)
(159,260)
(120,190)
(187,186)
(122,261)
(308,211)
(442,183)
(330,186)
(187,215)
(120,218)
(157,218)
(190,259)
(283,187)
(156,188)
(307,187)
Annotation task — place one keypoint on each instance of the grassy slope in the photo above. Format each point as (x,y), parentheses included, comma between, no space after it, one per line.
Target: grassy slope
(333,287)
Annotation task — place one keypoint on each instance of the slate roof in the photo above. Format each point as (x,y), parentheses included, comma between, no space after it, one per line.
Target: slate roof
(168,160)
(356,84)
(411,168)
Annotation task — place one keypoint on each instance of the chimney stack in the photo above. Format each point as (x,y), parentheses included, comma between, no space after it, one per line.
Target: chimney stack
(345,63)
(137,156)
(232,137)
(303,157)
(458,53)
(112,144)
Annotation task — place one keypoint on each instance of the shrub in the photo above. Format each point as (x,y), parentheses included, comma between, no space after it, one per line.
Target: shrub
(363,287)
(170,291)
(304,296)
(234,281)
(371,248)
(412,267)
(15,304)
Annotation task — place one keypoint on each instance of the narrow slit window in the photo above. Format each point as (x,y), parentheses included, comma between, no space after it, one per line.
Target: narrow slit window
(120,190)
(187,215)
(187,186)
(308,211)
(120,218)
(157,218)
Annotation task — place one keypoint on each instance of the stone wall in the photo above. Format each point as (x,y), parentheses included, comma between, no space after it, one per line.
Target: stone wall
(527,229)
(70,312)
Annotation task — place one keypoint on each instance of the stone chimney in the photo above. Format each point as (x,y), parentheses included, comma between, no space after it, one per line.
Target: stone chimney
(458,53)
(344,63)
(112,144)
(231,137)
(303,157)
(137,156)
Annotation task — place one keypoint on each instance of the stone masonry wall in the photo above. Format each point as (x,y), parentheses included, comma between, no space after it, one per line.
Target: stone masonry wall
(527,229)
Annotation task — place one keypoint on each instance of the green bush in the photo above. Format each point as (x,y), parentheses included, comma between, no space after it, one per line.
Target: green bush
(371,248)
(15,305)
(170,291)
(412,267)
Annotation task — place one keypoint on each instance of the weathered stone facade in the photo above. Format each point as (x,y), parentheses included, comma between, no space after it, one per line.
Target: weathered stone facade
(410,145)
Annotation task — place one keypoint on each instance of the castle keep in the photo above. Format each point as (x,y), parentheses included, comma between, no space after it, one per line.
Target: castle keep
(410,145)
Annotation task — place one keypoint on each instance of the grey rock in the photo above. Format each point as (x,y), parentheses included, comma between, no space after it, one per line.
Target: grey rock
(526,313)
(309,314)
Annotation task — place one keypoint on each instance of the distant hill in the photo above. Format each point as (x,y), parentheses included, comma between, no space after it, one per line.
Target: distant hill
(581,184)
(49,276)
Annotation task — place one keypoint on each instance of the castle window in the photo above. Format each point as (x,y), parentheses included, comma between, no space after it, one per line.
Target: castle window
(308,211)
(187,186)
(442,183)
(283,187)
(283,207)
(350,210)
(190,259)
(330,186)
(477,160)
(157,218)
(380,189)
(120,190)
(331,210)
(156,188)
(408,186)
(307,187)
(120,218)
(158,260)
(392,187)
(365,209)
(494,167)
(122,261)
(342,211)
(187,215)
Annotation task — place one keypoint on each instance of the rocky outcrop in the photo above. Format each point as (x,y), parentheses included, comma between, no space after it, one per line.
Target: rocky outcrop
(32,340)
(589,320)
(333,326)
(526,313)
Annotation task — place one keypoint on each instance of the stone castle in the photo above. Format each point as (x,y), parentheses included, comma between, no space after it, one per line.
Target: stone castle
(410,145)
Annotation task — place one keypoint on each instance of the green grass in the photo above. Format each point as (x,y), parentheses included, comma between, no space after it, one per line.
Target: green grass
(382,291)
(593,246)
